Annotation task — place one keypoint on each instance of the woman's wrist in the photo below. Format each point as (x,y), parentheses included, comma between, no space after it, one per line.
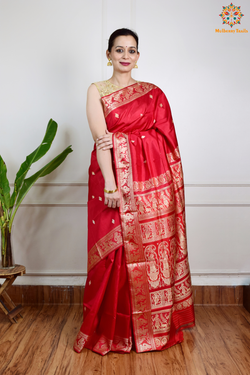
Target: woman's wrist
(110,191)
(110,185)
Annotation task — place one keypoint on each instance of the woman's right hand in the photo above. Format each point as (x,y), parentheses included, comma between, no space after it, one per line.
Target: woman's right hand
(104,142)
(112,200)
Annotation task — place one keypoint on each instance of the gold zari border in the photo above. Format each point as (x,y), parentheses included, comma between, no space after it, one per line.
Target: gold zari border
(135,259)
(104,246)
(159,280)
(157,181)
(104,345)
(122,97)
(174,156)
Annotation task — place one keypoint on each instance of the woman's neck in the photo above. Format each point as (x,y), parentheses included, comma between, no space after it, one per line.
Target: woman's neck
(122,80)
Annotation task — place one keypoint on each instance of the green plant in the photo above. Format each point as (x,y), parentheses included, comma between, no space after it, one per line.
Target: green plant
(9,203)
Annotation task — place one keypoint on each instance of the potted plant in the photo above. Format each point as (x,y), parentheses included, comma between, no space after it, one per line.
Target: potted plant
(9,203)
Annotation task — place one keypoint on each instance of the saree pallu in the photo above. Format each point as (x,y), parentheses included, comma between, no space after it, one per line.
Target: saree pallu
(138,289)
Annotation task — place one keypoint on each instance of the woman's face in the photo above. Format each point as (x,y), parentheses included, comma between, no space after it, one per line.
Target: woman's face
(124,53)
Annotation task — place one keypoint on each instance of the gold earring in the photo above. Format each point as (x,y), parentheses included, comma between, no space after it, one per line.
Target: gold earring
(109,63)
(136,66)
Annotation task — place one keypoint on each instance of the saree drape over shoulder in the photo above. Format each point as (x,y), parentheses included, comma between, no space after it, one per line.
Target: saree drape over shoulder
(138,289)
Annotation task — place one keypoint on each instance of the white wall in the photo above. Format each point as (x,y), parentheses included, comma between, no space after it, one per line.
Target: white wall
(51,50)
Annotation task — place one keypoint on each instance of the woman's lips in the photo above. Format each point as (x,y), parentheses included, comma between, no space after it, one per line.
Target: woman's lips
(124,63)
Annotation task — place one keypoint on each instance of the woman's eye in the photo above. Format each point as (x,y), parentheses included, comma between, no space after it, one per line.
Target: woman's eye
(132,51)
(119,50)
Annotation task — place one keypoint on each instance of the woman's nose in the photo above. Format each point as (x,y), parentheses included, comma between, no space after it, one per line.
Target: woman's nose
(125,55)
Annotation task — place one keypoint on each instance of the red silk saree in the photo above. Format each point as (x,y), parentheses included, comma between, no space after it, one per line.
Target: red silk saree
(138,291)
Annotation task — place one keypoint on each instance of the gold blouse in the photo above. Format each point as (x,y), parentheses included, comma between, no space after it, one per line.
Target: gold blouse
(106,87)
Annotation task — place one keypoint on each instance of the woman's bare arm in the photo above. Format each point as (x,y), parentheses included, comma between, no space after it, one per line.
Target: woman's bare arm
(105,141)
(98,127)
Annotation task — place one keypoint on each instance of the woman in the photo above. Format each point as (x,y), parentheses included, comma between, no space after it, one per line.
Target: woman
(138,289)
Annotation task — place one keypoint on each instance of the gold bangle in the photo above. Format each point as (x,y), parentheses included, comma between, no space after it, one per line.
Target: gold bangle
(110,191)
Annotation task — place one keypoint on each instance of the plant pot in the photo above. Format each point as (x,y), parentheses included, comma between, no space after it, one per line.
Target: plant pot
(6,248)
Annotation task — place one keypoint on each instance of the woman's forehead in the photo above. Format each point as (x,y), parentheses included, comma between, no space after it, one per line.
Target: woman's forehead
(125,41)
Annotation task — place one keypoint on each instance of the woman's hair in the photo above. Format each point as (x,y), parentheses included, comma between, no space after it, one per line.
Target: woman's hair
(120,32)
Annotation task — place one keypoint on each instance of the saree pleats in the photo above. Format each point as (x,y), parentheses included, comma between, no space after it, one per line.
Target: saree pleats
(106,308)
(138,264)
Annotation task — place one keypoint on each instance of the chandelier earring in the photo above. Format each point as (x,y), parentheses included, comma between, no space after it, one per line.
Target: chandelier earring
(109,63)
(136,66)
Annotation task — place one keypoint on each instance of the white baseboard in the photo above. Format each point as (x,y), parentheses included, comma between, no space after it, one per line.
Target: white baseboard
(51,280)
(229,279)
(198,278)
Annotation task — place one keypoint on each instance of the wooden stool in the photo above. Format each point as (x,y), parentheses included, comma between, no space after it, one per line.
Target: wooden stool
(10,274)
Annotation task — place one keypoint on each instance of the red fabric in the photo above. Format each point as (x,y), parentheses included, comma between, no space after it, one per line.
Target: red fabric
(138,267)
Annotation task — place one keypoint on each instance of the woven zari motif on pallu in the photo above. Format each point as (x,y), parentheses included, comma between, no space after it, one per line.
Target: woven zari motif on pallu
(154,233)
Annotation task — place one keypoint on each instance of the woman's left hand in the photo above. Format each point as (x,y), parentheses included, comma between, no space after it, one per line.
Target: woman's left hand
(112,200)
(104,142)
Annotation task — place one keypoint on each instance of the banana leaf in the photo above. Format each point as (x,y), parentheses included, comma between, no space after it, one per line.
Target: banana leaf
(2,215)
(29,182)
(4,186)
(37,154)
